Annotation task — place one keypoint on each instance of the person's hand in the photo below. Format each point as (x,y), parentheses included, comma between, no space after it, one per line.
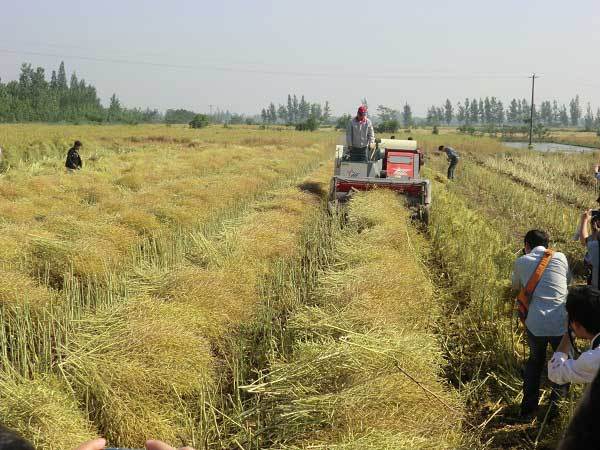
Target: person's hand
(587,214)
(159,445)
(371,146)
(95,444)
(597,168)
(565,344)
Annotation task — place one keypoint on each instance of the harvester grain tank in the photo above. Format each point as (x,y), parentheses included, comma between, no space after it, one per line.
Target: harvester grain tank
(394,164)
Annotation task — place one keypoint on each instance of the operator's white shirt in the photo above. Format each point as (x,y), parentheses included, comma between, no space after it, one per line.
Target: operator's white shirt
(562,369)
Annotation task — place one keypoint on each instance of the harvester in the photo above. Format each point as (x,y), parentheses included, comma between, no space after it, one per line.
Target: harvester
(394,164)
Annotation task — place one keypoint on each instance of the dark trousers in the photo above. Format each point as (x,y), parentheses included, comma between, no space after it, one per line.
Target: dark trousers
(533,372)
(451,167)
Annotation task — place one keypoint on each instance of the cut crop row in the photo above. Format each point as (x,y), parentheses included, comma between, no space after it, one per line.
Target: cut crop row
(352,360)
(155,364)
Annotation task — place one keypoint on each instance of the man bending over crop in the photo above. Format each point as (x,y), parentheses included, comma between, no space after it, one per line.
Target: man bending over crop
(452,159)
(360,135)
(583,308)
(73,159)
(546,317)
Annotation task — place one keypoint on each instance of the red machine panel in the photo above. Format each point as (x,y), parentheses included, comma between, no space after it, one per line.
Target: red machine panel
(400,163)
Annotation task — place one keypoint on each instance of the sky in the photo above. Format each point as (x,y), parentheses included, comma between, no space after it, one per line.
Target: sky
(241,55)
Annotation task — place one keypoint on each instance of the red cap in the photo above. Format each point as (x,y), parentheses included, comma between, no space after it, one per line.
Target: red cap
(362,109)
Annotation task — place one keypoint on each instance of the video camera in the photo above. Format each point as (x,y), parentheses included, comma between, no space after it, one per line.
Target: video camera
(595,214)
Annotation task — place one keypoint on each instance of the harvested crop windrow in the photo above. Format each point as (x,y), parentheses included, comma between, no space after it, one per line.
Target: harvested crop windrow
(94,251)
(478,278)
(90,221)
(30,144)
(45,406)
(545,175)
(357,364)
(514,209)
(157,365)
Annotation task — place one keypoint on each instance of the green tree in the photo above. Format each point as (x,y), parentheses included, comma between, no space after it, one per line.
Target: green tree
(62,77)
(282,113)
(304,109)
(499,112)
(296,109)
(272,113)
(564,116)
(575,110)
(448,111)
(385,113)
(290,110)
(311,124)
(342,122)
(173,116)
(513,112)
(460,114)
(555,113)
(467,111)
(200,121)
(588,120)
(407,117)
(326,112)
(474,113)
(114,109)
(316,112)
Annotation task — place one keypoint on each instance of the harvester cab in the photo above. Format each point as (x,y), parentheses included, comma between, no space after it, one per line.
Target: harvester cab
(394,164)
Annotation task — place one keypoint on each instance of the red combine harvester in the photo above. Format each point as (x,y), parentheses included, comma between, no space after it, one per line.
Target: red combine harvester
(394,164)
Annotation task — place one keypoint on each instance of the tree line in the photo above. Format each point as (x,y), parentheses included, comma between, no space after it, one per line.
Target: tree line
(34,98)
(296,112)
(491,111)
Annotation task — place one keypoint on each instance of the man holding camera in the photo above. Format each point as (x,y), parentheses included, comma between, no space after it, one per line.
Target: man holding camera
(590,219)
(583,308)
(545,316)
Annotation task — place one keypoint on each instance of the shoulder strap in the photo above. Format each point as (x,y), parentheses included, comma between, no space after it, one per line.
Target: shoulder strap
(539,270)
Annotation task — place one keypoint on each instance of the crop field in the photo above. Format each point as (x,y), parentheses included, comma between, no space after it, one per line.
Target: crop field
(190,286)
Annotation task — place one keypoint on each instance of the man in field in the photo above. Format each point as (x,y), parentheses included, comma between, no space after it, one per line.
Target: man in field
(590,220)
(452,159)
(360,135)
(73,159)
(546,317)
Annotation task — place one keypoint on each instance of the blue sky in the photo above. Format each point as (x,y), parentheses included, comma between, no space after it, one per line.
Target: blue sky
(239,55)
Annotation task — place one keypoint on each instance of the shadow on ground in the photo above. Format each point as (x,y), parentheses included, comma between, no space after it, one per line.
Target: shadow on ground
(312,187)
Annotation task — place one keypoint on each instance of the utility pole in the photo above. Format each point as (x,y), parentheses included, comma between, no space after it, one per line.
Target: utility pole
(533,77)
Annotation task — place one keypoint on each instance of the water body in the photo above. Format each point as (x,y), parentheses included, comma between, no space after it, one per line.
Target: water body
(551,147)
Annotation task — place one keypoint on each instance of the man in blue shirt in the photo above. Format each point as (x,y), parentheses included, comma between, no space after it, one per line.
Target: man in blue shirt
(452,159)
(547,317)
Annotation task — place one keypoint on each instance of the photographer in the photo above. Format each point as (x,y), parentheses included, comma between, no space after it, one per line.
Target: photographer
(583,309)
(590,219)
(544,315)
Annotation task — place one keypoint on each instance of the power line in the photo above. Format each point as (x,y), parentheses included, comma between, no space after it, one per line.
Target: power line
(224,68)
